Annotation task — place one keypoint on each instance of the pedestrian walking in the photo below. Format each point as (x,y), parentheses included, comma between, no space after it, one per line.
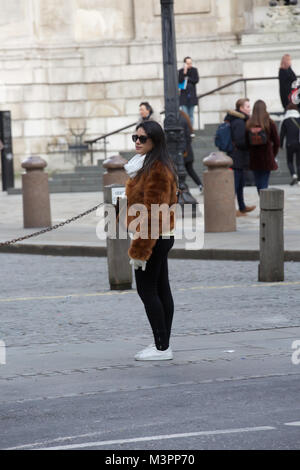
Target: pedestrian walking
(153,180)
(188,149)
(147,113)
(188,77)
(263,140)
(240,153)
(290,132)
(286,78)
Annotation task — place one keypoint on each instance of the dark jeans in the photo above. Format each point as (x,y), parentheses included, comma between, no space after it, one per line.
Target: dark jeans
(154,290)
(239,183)
(189,110)
(261,179)
(191,172)
(291,151)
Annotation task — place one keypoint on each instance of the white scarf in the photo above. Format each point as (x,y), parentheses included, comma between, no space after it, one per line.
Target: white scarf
(134,165)
(291,113)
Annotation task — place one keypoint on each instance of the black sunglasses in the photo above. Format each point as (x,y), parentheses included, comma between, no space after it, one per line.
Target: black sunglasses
(141,138)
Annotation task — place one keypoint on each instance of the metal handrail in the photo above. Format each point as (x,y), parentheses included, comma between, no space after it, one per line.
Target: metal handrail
(199,97)
(114,132)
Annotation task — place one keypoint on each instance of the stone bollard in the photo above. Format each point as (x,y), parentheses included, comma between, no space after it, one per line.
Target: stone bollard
(219,195)
(119,269)
(35,190)
(271,266)
(115,172)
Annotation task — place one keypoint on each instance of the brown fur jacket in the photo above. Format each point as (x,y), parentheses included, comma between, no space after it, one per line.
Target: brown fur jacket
(157,187)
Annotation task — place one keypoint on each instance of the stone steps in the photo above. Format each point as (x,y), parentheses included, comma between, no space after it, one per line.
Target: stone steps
(89,178)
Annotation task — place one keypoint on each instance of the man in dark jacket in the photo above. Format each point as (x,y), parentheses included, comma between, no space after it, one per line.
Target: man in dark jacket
(188,78)
(240,153)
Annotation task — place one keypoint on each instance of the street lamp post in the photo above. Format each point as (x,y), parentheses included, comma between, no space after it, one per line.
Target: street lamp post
(174,132)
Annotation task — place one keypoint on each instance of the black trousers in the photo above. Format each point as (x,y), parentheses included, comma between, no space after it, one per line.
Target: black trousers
(239,183)
(154,290)
(291,151)
(191,172)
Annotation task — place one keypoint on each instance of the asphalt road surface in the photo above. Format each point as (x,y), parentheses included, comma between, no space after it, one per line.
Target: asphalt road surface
(70,380)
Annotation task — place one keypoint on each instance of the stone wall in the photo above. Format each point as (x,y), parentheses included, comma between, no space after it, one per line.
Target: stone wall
(88,64)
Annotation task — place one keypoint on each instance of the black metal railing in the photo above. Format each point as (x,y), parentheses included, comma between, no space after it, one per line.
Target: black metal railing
(200,97)
(238,80)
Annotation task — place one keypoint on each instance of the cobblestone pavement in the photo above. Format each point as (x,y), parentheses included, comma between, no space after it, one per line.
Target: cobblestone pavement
(70,380)
(67,299)
(83,231)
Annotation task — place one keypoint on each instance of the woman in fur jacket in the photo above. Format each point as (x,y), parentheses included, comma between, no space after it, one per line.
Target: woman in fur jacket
(152,182)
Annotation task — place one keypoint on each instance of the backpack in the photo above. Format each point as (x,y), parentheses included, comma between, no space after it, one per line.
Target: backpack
(257,136)
(294,121)
(223,139)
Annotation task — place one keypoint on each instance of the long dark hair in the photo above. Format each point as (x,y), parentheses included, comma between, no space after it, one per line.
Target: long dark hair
(260,117)
(159,151)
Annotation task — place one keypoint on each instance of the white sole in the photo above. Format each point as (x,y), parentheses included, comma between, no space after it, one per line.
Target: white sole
(155,357)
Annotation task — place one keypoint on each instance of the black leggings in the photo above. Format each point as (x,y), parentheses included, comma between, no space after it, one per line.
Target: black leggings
(191,172)
(154,290)
(292,150)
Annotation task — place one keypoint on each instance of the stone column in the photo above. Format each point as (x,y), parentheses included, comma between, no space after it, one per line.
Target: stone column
(119,269)
(115,172)
(271,267)
(36,200)
(219,194)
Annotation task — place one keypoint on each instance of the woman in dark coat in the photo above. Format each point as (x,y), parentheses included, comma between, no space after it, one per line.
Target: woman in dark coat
(188,152)
(188,96)
(290,132)
(262,155)
(286,77)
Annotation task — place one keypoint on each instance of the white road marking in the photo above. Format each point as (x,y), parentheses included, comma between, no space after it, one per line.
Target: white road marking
(133,291)
(294,423)
(140,439)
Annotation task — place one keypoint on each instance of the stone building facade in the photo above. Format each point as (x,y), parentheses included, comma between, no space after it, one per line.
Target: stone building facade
(76,64)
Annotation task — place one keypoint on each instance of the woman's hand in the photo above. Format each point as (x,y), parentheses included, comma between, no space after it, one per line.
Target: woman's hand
(138,263)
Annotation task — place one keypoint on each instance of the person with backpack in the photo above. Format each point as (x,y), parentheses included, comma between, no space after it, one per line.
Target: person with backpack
(231,138)
(290,132)
(263,141)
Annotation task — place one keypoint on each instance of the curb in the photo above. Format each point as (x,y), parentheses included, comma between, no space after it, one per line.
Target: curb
(175,253)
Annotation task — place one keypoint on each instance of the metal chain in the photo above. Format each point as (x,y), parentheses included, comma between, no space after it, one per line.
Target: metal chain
(52,227)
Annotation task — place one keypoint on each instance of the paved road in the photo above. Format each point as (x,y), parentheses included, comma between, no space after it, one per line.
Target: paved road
(70,379)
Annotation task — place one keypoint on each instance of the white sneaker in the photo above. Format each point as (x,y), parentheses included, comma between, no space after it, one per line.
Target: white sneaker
(151,346)
(153,354)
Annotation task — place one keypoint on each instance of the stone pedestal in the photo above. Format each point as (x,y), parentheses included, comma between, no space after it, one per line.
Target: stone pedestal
(119,269)
(271,241)
(36,201)
(219,195)
(115,172)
